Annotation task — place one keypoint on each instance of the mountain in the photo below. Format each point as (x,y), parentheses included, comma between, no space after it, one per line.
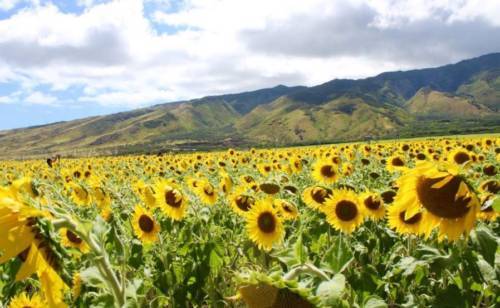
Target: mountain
(458,98)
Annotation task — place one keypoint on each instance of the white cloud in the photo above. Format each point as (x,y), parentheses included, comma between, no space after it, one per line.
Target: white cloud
(40,98)
(6,99)
(8,4)
(117,56)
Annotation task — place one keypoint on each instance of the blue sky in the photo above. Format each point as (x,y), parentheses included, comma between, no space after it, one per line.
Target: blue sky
(62,60)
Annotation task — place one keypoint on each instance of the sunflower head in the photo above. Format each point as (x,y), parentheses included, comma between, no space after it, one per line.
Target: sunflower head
(316,196)
(324,171)
(264,226)
(145,226)
(396,163)
(373,205)
(80,194)
(170,199)
(459,156)
(24,301)
(343,210)
(70,239)
(259,290)
(398,219)
(206,192)
(241,200)
(286,209)
(443,197)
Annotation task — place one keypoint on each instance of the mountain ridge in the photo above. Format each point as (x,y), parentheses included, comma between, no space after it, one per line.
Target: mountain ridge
(454,98)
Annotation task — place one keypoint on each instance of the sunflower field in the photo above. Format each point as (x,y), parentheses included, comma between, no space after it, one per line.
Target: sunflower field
(401,223)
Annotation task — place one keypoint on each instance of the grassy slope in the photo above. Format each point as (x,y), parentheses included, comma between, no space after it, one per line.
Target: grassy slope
(463,97)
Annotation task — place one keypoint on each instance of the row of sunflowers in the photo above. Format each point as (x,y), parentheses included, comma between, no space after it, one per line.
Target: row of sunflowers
(401,223)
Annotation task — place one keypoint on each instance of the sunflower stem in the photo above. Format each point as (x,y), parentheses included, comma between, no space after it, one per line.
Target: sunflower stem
(306,268)
(101,260)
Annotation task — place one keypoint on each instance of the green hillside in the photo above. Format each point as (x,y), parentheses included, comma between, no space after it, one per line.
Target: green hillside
(456,98)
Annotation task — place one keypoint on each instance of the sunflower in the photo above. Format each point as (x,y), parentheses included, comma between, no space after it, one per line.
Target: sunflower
(25,186)
(206,192)
(296,165)
(395,163)
(442,196)
(315,196)
(325,171)
(396,219)
(170,199)
(241,201)
(343,210)
(24,301)
(265,168)
(263,224)
(490,170)
(144,225)
(70,239)
(80,195)
(193,183)
(269,188)
(106,212)
(459,156)
(16,221)
(286,209)
(373,205)
(258,290)
(347,169)
(487,212)
(146,193)
(490,186)
(101,197)
(226,183)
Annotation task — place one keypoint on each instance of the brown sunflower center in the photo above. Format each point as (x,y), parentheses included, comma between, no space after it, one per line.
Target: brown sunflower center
(208,189)
(266,222)
(397,162)
(489,170)
(491,186)
(461,157)
(319,194)
(146,223)
(171,196)
(327,171)
(373,203)
(443,201)
(244,203)
(388,196)
(73,238)
(286,207)
(270,188)
(346,210)
(412,220)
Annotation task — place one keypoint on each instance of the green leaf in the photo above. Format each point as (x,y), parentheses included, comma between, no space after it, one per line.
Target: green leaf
(451,297)
(486,270)
(486,243)
(374,302)
(286,256)
(216,262)
(331,291)
(496,204)
(409,265)
(92,277)
(338,257)
(300,251)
